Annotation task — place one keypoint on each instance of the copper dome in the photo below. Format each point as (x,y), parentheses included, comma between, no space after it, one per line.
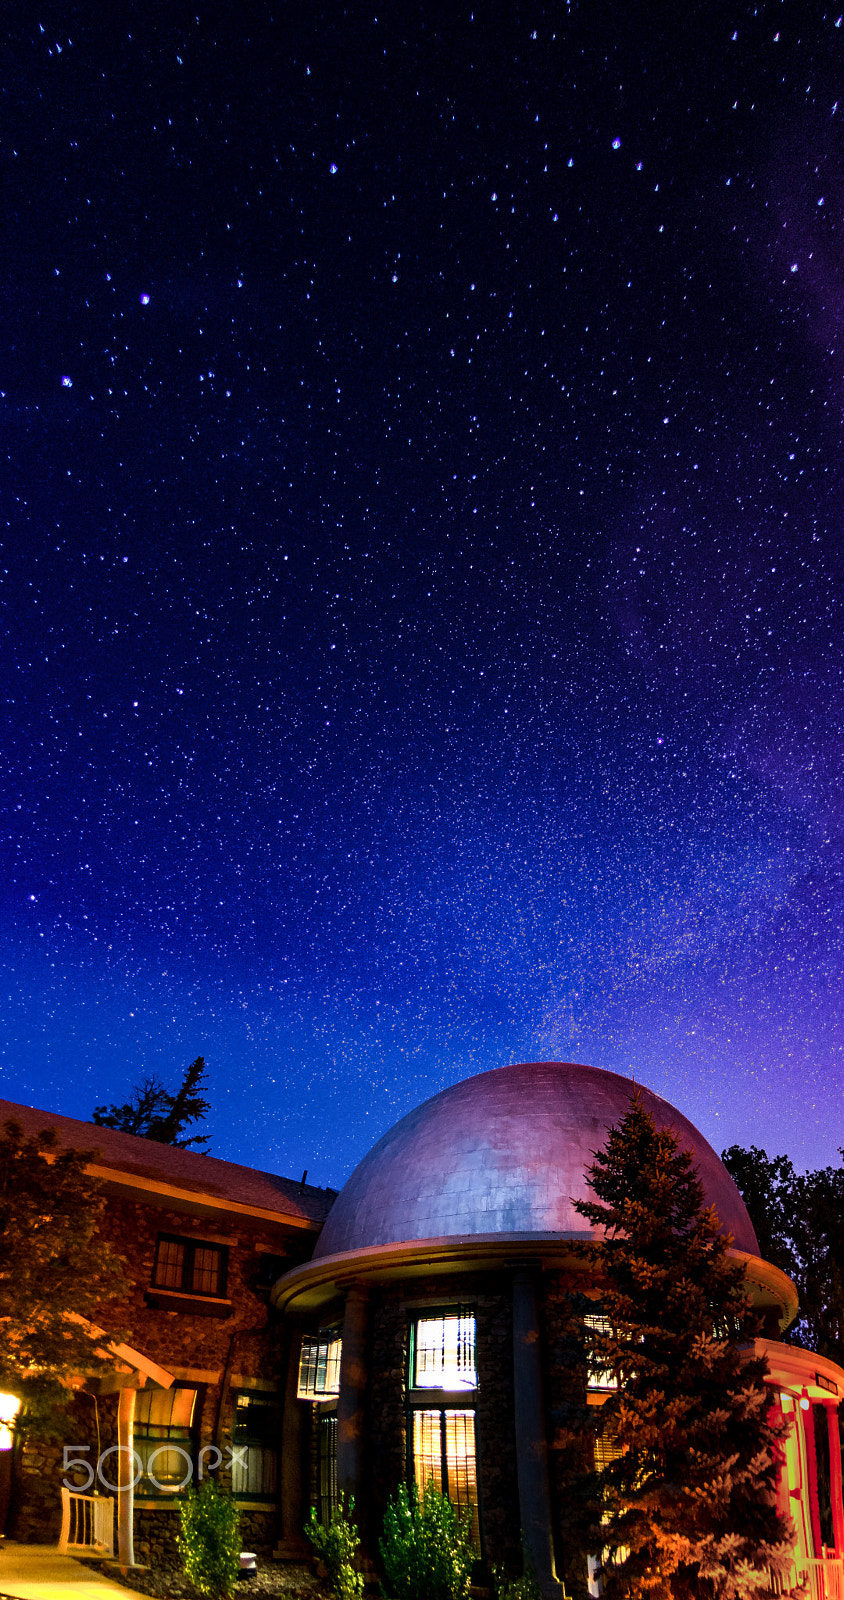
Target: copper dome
(504,1154)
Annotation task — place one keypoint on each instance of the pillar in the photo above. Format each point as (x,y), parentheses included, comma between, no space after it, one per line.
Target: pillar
(294,1545)
(351,1405)
(126,1477)
(835,1486)
(531,1442)
(813,1508)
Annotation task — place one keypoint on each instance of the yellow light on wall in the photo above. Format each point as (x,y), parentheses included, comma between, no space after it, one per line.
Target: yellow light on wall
(9,1408)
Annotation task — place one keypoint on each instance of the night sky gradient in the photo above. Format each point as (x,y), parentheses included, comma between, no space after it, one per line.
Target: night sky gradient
(421,598)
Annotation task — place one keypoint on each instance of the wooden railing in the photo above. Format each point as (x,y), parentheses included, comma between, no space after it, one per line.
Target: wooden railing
(87,1522)
(822,1578)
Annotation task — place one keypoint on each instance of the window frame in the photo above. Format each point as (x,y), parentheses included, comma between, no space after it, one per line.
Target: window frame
(444,1403)
(174,1435)
(326,1340)
(190,1246)
(260,1400)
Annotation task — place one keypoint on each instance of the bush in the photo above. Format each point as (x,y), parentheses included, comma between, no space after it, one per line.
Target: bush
(427,1547)
(524,1588)
(337,1547)
(209,1540)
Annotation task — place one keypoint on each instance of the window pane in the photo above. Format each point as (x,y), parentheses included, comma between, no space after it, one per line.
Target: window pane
(444,1353)
(255,1438)
(170,1264)
(444,1454)
(327,1468)
(164,1408)
(182,1402)
(163,1439)
(206,1269)
(427,1449)
(254,1471)
(598,1377)
(460,1464)
(319,1368)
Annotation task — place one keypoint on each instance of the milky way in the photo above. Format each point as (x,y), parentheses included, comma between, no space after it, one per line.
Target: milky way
(421,596)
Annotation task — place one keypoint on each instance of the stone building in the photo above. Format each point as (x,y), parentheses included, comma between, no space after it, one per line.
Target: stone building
(407,1328)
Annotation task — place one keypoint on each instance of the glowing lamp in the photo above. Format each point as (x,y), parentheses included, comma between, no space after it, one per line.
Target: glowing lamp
(805,1402)
(9,1408)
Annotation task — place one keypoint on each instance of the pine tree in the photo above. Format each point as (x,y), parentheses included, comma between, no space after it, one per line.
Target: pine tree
(690,1449)
(56,1273)
(153,1113)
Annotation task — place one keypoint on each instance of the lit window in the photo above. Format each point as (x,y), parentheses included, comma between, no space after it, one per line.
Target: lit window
(319,1366)
(443,1353)
(444,1453)
(255,1448)
(189,1266)
(598,1376)
(163,1439)
(442,1440)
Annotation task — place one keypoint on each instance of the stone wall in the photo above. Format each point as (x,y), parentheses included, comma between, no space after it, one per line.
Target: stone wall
(391,1311)
(565,1397)
(218,1353)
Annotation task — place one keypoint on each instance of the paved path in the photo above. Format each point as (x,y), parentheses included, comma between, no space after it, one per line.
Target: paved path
(38,1572)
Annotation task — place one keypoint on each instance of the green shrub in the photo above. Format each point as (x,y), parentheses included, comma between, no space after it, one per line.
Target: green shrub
(524,1588)
(337,1547)
(209,1540)
(427,1547)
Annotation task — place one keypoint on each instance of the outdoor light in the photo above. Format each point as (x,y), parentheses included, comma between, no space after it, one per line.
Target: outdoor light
(805,1402)
(9,1408)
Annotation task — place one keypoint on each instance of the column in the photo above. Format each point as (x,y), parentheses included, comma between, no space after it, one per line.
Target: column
(531,1442)
(808,1417)
(294,1545)
(835,1486)
(126,1477)
(351,1406)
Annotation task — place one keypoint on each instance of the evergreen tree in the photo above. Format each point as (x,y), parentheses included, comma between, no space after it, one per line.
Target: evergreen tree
(689,1457)
(153,1113)
(55,1270)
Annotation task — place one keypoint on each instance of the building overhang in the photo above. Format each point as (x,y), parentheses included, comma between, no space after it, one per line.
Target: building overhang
(195,1203)
(802,1373)
(315,1283)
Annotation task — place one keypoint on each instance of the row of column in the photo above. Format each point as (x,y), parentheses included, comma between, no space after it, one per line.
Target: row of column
(531,1441)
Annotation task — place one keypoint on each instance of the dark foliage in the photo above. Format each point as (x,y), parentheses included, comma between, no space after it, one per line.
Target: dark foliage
(56,1273)
(799,1222)
(154,1113)
(688,1451)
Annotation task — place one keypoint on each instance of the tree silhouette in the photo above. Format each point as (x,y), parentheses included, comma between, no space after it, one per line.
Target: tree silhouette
(154,1113)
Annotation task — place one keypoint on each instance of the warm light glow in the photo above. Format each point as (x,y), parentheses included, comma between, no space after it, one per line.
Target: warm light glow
(319,1367)
(805,1404)
(444,1353)
(444,1454)
(9,1408)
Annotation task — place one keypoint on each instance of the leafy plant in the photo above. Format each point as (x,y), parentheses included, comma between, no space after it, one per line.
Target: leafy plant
(525,1587)
(427,1546)
(57,1275)
(337,1545)
(209,1541)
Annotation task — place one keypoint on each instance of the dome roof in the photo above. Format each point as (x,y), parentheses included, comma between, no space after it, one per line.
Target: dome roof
(504,1154)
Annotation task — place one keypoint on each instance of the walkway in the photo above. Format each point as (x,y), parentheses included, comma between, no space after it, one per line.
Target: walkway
(38,1572)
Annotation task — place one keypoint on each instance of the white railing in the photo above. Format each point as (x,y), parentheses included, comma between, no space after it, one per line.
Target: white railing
(87,1522)
(822,1578)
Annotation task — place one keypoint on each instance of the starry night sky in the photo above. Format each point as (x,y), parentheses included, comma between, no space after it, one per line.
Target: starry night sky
(421,596)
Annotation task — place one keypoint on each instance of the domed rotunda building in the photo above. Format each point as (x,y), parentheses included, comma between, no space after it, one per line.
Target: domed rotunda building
(424,1330)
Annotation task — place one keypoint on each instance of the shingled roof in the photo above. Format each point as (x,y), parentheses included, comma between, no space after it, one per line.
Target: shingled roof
(162,1166)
